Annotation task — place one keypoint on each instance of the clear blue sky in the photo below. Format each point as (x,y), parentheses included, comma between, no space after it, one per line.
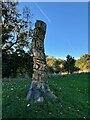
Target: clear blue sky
(67,26)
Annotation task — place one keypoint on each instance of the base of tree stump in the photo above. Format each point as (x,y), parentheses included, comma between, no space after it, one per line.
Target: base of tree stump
(38,90)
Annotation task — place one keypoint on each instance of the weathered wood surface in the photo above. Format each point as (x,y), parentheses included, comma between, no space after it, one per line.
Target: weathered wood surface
(39,86)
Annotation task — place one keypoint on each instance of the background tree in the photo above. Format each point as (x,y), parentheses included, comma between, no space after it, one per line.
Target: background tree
(69,64)
(58,65)
(83,63)
(54,65)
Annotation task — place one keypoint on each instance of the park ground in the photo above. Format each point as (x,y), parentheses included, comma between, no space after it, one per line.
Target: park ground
(72,101)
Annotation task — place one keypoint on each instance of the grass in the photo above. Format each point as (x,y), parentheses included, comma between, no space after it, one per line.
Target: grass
(72,101)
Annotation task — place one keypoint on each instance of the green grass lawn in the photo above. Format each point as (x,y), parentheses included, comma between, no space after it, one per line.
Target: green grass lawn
(72,101)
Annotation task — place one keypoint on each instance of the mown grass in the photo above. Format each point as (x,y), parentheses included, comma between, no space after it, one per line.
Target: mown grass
(72,101)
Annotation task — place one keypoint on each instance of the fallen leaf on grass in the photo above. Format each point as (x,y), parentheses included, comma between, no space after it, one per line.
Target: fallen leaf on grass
(28,105)
(11,88)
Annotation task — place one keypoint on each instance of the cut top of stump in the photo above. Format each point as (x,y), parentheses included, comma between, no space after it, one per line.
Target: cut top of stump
(40,24)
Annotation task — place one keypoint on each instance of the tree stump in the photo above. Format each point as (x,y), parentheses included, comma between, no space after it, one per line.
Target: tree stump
(39,87)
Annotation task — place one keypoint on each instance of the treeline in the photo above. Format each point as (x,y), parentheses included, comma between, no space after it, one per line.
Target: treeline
(69,65)
(20,64)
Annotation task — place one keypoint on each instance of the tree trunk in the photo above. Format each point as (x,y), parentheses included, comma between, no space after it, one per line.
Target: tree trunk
(39,87)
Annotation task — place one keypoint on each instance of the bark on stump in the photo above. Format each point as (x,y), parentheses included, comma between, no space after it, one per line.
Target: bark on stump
(39,87)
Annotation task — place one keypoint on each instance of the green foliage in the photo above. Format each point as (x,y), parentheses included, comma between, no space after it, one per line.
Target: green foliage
(69,64)
(50,61)
(16,36)
(9,14)
(84,62)
(54,65)
(16,28)
(50,69)
(17,64)
(72,101)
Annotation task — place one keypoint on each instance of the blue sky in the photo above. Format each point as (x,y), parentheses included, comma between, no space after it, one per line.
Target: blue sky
(67,26)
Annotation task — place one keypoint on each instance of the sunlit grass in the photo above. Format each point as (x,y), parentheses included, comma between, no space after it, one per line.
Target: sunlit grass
(72,101)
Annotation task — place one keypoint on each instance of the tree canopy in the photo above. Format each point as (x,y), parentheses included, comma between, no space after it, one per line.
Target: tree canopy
(54,65)
(16,37)
(83,62)
(69,64)
(16,28)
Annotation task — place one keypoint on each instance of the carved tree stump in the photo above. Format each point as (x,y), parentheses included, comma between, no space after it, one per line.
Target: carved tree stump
(39,86)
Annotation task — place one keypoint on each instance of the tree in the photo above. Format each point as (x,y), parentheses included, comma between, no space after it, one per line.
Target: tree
(17,64)
(54,65)
(83,63)
(69,64)
(16,28)
(16,35)
(50,61)
(58,65)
